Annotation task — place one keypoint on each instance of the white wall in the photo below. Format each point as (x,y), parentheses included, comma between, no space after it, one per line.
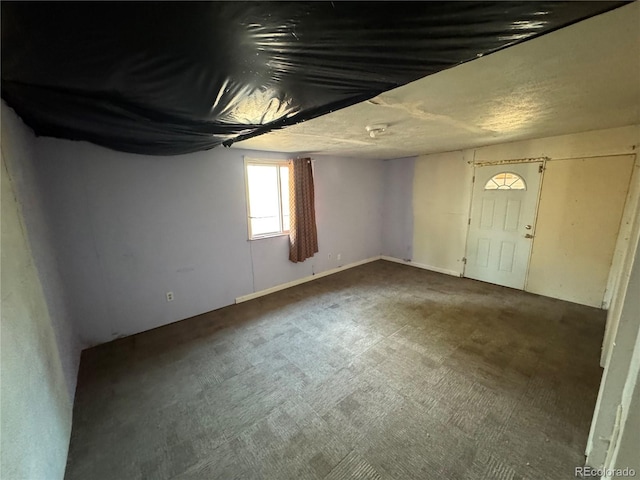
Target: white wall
(397,208)
(442,190)
(619,381)
(625,453)
(596,143)
(579,216)
(441,196)
(129,228)
(35,397)
(622,260)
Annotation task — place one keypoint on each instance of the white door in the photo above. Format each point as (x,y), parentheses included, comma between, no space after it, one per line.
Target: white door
(501,228)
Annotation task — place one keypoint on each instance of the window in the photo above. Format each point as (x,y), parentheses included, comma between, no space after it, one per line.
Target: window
(505,181)
(267,197)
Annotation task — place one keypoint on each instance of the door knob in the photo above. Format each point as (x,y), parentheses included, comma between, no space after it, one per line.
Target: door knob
(528,235)
(527,227)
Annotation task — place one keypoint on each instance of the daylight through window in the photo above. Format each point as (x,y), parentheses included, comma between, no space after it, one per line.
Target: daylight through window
(505,181)
(267,197)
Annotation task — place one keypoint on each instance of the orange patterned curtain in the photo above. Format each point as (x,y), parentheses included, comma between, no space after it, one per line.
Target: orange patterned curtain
(303,233)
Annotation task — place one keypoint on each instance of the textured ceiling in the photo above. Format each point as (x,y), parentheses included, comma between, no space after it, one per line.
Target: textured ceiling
(583,77)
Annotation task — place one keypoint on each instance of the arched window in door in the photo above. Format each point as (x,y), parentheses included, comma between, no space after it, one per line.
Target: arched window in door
(505,181)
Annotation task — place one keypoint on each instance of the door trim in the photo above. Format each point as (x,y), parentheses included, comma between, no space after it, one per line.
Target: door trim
(507,162)
(535,223)
(470,206)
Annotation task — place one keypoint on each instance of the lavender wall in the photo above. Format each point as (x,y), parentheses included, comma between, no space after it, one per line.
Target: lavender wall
(397,212)
(128,228)
(349,198)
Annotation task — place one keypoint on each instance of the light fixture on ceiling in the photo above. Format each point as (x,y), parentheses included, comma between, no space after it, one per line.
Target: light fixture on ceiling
(376,129)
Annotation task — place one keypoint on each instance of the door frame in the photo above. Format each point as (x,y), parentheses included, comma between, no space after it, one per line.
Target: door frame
(543,166)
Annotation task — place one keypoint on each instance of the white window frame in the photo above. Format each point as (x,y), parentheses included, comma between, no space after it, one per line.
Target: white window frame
(519,178)
(267,162)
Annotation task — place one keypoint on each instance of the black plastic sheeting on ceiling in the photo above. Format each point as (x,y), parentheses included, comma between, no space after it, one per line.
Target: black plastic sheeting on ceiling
(167,78)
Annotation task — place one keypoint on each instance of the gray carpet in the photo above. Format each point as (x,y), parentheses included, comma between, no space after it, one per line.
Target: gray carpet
(380,372)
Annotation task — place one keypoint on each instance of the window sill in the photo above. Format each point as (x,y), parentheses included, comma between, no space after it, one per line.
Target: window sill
(270,235)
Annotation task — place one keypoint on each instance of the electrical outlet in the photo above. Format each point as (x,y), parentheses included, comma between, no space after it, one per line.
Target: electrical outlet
(339,257)
(169,296)
(329,256)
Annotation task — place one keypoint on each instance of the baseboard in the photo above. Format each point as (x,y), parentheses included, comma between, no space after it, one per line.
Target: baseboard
(421,265)
(283,286)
